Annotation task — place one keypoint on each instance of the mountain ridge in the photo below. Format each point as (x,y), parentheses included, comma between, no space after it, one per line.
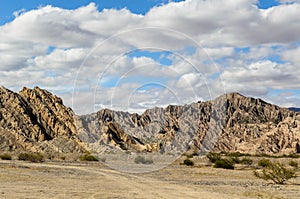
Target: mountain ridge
(36,120)
(234,114)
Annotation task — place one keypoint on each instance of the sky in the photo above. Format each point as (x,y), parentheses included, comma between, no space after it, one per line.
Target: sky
(131,55)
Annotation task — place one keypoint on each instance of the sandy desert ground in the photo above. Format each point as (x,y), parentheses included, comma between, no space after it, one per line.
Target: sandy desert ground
(58,179)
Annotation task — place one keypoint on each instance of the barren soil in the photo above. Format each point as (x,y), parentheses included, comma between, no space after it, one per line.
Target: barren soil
(57,179)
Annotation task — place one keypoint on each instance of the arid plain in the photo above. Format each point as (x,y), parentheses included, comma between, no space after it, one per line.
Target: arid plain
(77,179)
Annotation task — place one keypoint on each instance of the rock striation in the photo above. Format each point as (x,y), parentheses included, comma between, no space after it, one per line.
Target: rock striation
(229,123)
(36,120)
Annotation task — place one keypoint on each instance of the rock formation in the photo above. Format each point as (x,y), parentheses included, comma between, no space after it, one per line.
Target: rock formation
(229,123)
(36,120)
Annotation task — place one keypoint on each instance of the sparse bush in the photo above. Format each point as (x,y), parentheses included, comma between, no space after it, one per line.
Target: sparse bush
(188,162)
(32,157)
(5,156)
(142,160)
(235,160)
(246,161)
(293,164)
(265,155)
(195,153)
(264,162)
(213,157)
(235,154)
(88,157)
(276,172)
(224,163)
(292,155)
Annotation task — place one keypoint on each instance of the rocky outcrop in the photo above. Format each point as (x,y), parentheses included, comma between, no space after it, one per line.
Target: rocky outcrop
(254,126)
(36,120)
(229,123)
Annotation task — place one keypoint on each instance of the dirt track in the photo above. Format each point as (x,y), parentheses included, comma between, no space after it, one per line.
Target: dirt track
(94,180)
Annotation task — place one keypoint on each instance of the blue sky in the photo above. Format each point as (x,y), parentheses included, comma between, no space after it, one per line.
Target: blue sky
(195,50)
(267,4)
(136,6)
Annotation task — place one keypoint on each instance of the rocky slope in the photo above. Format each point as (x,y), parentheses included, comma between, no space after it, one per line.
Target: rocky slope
(229,123)
(36,120)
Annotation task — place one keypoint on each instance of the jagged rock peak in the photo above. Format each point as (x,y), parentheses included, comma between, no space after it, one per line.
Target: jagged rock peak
(37,120)
(2,88)
(6,91)
(43,94)
(234,123)
(235,95)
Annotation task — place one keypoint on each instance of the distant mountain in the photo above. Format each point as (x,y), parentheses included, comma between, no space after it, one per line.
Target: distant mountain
(36,120)
(294,109)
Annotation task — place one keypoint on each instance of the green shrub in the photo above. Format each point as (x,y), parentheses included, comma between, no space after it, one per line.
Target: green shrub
(195,153)
(265,155)
(293,164)
(276,172)
(188,162)
(264,162)
(292,155)
(213,157)
(88,157)
(235,160)
(235,154)
(246,161)
(224,163)
(142,160)
(5,156)
(32,157)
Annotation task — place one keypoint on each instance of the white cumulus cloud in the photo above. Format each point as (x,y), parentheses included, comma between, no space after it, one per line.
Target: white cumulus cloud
(86,51)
